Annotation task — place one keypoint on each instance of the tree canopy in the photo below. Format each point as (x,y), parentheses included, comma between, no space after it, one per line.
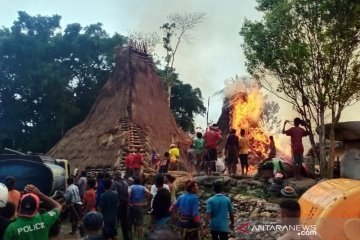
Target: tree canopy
(307,52)
(179,27)
(185,100)
(50,78)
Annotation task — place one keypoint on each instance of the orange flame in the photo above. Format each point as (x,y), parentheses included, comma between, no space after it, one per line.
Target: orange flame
(245,112)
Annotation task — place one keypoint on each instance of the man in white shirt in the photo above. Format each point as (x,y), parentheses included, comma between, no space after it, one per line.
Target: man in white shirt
(74,204)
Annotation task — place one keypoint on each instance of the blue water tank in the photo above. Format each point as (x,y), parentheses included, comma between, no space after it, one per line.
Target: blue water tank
(43,172)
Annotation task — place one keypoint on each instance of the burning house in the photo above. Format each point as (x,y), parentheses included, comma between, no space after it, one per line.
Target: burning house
(243,107)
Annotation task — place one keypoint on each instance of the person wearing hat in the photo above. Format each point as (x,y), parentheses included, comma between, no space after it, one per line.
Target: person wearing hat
(288,191)
(93,223)
(30,224)
(14,195)
(174,154)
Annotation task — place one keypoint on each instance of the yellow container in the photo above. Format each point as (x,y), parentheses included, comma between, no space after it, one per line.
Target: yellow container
(333,206)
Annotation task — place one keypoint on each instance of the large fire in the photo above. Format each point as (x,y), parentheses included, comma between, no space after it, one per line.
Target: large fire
(246,105)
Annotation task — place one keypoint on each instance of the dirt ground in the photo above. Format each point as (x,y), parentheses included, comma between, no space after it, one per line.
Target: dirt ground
(65,228)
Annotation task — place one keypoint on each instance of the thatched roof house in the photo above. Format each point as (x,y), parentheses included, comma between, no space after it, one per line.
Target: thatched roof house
(131,111)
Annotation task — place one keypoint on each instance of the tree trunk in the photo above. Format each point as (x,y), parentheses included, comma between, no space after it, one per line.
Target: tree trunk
(330,162)
(169,81)
(169,94)
(334,120)
(322,151)
(315,154)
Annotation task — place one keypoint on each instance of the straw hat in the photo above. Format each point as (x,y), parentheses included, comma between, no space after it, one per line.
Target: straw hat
(288,191)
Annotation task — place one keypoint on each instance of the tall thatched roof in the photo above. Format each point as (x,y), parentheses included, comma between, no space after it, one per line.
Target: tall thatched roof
(131,111)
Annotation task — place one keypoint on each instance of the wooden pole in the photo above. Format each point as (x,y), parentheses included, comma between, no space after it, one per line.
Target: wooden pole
(207,113)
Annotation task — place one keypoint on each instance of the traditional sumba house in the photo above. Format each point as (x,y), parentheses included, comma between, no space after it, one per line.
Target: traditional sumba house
(131,111)
(259,146)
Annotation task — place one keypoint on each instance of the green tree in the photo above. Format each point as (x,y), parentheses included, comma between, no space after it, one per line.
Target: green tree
(48,78)
(307,52)
(179,27)
(186,101)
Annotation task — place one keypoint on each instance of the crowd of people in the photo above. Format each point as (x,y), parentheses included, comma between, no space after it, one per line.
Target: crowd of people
(96,205)
(204,153)
(124,203)
(96,213)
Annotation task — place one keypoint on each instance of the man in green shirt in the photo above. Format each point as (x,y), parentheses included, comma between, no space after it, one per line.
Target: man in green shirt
(30,225)
(199,145)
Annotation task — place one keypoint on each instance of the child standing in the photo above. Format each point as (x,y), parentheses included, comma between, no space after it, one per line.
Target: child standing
(155,157)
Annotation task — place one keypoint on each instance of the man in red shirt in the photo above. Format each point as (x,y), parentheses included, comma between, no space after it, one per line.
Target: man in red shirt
(138,161)
(296,134)
(89,199)
(212,138)
(129,163)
